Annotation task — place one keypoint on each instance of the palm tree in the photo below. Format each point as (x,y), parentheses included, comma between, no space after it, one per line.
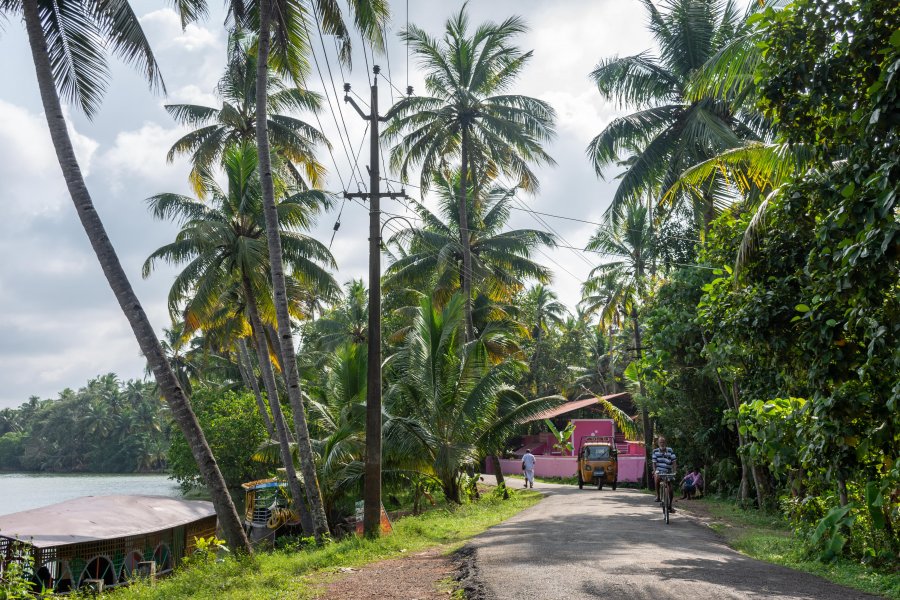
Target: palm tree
(68,43)
(672,130)
(546,307)
(347,322)
(272,15)
(617,288)
(452,406)
(338,411)
(294,140)
(499,263)
(223,245)
(469,115)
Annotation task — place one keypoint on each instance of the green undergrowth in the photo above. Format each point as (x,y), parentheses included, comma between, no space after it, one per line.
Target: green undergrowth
(297,574)
(769,537)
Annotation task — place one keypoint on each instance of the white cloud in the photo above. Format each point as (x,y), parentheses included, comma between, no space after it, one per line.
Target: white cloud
(32,179)
(163,27)
(142,153)
(193,94)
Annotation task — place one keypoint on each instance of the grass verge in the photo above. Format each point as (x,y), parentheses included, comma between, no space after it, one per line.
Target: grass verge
(770,538)
(297,574)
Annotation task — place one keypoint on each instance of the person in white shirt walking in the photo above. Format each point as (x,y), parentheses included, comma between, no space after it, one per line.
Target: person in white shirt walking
(528,468)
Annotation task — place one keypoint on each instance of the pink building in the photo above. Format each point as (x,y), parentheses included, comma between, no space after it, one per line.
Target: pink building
(550,462)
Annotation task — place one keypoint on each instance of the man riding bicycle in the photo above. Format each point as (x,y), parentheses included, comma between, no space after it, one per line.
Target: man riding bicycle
(664,463)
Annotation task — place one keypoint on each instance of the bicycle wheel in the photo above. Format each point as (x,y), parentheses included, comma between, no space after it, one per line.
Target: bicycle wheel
(666,495)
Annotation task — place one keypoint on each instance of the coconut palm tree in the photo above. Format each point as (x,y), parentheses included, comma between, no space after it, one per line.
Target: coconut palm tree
(452,406)
(225,252)
(284,44)
(499,263)
(275,16)
(347,322)
(469,116)
(617,288)
(68,42)
(546,309)
(672,130)
(294,140)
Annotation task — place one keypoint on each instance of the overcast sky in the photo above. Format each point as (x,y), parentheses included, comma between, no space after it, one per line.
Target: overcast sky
(59,323)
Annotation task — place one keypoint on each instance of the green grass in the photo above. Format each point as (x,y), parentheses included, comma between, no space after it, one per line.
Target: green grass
(768,537)
(282,574)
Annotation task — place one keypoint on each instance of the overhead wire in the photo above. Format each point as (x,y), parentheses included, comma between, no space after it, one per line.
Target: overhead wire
(334,89)
(606,226)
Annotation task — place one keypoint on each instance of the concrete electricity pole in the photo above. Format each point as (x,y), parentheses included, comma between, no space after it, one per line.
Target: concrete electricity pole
(372,491)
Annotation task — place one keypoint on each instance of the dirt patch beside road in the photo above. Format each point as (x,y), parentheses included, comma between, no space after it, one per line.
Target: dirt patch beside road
(419,576)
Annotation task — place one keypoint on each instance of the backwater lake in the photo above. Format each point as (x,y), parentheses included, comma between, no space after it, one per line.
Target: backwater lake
(24,491)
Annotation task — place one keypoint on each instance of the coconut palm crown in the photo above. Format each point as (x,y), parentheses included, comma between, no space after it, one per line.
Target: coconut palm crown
(501,260)
(294,140)
(671,130)
(470,116)
(223,241)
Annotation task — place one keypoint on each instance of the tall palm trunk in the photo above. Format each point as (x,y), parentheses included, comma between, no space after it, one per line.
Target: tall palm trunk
(289,359)
(466,275)
(121,287)
(645,416)
(283,435)
(247,368)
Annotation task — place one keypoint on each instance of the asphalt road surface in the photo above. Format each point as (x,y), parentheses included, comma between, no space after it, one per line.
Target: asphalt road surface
(578,544)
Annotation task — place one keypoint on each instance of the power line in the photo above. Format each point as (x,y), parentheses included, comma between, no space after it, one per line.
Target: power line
(336,99)
(540,220)
(606,226)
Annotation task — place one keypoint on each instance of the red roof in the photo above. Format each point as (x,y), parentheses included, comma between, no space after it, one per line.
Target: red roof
(572,406)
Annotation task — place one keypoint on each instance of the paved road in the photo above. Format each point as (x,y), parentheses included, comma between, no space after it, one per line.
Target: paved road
(590,544)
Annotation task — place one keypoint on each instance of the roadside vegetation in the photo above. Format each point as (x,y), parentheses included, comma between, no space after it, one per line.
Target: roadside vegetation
(300,568)
(770,537)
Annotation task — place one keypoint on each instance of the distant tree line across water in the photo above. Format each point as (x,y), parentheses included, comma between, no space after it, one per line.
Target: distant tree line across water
(107,426)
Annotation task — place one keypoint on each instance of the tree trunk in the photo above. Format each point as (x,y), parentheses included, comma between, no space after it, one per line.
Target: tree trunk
(247,368)
(178,403)
(498,471)
(645,416)
(466,274)
(760,474)
(284,441)
(304,446)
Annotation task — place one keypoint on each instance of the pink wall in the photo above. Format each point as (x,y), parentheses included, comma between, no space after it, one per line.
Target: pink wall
(585,427)
(630,467)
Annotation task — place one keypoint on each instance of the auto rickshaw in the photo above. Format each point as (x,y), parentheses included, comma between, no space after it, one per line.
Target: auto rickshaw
(598,462)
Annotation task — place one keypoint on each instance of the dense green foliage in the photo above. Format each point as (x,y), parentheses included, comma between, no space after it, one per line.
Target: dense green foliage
(234,430)
(798,351)
(108,426)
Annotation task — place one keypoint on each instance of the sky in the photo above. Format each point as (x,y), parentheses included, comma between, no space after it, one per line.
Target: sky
(59,322)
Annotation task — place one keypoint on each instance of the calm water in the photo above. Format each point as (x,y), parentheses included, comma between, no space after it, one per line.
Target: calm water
(22,491)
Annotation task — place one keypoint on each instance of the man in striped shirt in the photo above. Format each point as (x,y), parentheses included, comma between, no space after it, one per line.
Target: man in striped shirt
(664,462)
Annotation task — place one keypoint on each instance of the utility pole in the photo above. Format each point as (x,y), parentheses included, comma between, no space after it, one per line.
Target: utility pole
(372,491)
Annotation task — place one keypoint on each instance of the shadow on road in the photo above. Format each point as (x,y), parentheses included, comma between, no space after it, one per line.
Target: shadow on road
(591,543)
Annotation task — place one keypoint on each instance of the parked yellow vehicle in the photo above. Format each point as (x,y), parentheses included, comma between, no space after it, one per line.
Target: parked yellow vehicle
(598,462)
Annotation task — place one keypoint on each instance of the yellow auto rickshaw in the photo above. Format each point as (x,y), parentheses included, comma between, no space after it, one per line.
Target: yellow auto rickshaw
(598,462)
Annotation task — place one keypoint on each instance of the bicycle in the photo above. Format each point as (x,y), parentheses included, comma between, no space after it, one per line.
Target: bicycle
(665,492)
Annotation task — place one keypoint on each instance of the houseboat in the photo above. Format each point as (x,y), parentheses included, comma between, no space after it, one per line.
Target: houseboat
(102,541)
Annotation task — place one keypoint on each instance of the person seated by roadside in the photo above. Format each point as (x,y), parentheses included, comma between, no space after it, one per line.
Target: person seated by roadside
(698,483)
(688,487)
